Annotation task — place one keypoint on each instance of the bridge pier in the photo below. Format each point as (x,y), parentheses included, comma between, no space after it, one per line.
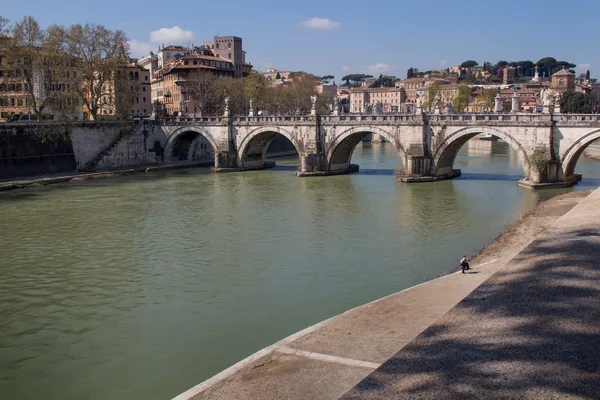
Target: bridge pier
(225,161)
(421,169)
(551,176)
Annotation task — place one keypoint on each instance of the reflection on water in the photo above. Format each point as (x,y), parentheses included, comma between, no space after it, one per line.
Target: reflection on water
(141,286)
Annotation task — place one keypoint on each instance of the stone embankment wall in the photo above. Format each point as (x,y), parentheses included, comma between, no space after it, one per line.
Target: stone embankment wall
(132,150)
(26,150)
(90,139)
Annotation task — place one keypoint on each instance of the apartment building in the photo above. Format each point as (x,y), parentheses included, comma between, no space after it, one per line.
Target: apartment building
(230,48)
(388,98)
(172,65)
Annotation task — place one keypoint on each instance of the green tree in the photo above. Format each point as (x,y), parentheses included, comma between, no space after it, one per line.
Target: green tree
(355,79)
(323,102)
(327,78)
(462,99)
(488,97)
(587,75)
(278,76)
(546,65)
(469,64)
(578,103)
(410,73)
(257,88)
(433,92)
(383,81)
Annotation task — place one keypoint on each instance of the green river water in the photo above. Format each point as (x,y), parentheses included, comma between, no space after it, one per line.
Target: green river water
(141,286)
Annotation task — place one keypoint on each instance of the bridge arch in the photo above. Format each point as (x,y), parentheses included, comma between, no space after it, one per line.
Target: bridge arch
(446,152)
(180,142)
(253,147)
(340,150)
(569,160)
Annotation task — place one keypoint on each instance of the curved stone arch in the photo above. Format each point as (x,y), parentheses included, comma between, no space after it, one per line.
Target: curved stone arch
(177,133)
(446,152)
(356,132)
(569,160)
(264,135)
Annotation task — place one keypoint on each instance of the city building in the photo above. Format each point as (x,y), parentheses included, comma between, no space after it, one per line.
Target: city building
(508,75)
(273,74)
(230,48)
(563,80)
(388,98)
(171,66)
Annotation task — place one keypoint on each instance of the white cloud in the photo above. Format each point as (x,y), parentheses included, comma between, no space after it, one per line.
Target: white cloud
(140,49)
(345,68)
(378,68)
(167,36)
(319,23)
(174,35)
(582,68)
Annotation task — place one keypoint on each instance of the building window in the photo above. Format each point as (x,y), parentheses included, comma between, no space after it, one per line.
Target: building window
(144,99)
(144,89)
(229,45)
(146,77)
(229,55)
(561,82)
(217,46)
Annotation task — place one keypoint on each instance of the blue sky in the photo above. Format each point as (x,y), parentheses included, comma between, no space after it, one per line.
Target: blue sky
(341,37)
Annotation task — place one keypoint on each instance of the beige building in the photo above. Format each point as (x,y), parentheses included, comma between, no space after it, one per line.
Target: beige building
(273,74)
(390,99)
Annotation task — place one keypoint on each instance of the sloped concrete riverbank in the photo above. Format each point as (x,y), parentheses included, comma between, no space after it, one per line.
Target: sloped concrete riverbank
(328,359)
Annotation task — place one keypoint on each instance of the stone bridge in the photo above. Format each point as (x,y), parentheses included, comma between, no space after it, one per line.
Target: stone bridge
(548,145)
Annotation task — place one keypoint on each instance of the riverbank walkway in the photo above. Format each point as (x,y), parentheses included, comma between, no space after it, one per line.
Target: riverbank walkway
(49,179)
(531,329)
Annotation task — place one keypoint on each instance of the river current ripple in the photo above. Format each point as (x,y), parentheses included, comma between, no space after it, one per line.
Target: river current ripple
(139,287)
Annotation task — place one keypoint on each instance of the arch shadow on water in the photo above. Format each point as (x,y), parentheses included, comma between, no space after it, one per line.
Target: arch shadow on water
(378,172)
(474,176)
(286,168)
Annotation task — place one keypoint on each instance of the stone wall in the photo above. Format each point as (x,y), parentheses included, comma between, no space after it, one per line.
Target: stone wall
(91,138)
(26,150)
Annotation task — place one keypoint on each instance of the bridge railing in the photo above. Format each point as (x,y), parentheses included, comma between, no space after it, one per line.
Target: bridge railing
(391,117)
(577,117)
(482,118)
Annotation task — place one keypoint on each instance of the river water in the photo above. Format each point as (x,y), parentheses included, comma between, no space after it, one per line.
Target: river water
(139,287)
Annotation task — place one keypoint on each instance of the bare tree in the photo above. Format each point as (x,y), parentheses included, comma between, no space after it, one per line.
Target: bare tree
(38,66)
(4,27)
(235,90)
(199,86)
(99,57)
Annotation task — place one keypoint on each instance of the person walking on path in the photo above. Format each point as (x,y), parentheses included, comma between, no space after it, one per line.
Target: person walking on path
(464,263)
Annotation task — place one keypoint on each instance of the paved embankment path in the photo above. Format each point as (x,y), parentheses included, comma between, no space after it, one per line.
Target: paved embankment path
(532,331)
(330,358)
(41,180)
